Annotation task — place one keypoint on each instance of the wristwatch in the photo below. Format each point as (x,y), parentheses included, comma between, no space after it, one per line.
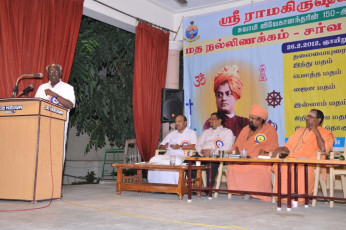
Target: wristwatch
(57,96)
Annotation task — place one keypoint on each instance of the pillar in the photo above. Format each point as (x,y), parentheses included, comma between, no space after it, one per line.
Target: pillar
(172,77)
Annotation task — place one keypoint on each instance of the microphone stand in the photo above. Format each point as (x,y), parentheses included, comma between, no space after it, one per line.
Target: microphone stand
(15,90)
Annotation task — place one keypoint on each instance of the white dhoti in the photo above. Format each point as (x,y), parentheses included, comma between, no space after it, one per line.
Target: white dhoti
(164,176)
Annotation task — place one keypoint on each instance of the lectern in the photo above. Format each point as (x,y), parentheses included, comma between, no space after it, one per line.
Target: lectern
(31,149)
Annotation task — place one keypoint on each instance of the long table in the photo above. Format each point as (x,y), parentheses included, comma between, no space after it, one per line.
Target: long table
(135,182)
(271,161)
(278,162)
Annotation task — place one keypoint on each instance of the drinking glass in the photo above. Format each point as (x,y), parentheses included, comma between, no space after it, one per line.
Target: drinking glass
(172,159)
(214,153)
(243,153)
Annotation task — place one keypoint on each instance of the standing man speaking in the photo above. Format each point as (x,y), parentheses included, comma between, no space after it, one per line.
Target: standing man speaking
(57,92)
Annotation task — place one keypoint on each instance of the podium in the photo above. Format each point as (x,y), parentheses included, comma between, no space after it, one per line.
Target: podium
(31,149)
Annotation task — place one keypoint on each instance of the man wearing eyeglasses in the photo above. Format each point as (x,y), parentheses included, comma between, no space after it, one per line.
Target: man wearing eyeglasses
(304,144)
(216,137)
(257,137)
(57,92)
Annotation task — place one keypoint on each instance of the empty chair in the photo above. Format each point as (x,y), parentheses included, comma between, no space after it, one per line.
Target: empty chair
(115,159)
(131,155)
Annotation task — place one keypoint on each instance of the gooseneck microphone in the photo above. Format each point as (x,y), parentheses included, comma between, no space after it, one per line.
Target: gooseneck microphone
(35,75)
(26,90)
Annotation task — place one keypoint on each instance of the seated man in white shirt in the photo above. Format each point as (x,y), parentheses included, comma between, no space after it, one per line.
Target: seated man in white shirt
(216,137)
(175,143)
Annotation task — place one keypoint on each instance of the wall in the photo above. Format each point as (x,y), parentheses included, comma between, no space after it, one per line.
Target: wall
(78,163)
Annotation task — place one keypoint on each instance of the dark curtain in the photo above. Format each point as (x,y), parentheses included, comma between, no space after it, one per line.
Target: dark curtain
(33,34)
(151,56)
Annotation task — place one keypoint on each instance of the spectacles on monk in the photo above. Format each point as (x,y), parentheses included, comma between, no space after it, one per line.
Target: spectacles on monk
(254,118)
(53,72)
(212,119)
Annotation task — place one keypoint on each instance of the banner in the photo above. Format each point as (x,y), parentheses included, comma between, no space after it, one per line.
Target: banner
(287,56)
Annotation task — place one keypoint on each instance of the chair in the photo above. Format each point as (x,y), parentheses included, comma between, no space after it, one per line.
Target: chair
(222,169)
(319,180)
(341,171)
(220,172)
(127,154)
(114,152)
(191,153)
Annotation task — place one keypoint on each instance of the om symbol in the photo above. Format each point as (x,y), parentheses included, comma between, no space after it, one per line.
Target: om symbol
(200,80)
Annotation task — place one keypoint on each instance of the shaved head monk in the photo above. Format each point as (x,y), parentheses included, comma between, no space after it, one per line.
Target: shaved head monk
(228,89)
(305,143)
(257,137)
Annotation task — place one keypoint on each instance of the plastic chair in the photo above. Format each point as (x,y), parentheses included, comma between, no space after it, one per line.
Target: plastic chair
(222,169)
(114,152)
(341,171)
(319,180)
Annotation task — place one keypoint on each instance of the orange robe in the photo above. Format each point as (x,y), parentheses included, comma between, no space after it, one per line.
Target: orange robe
(303,144)
(253,177)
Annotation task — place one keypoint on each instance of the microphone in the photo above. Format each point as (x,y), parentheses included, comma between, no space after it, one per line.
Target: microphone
(34,75)
(26,90)
(39,75)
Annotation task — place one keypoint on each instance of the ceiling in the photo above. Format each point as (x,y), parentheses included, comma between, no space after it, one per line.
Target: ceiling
(162,13)
(176,7)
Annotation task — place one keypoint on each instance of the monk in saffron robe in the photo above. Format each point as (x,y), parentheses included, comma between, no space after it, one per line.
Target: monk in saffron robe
(228,89)
(304,144)
(257,137)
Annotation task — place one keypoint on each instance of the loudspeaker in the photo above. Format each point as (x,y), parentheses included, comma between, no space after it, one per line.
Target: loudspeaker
(172,104)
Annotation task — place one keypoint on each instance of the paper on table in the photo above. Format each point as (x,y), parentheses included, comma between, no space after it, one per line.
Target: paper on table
(263,157)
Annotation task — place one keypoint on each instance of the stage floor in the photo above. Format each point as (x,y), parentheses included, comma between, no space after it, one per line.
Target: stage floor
(97,206)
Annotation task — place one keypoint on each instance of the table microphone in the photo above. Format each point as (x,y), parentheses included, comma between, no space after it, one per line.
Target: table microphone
(35,75)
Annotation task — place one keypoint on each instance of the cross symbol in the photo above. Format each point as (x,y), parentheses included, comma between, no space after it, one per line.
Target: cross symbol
(190,104)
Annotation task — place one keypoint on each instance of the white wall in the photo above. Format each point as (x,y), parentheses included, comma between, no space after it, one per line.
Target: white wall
(78,163)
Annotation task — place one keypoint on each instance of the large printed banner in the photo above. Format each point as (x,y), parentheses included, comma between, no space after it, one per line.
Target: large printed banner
(287,56)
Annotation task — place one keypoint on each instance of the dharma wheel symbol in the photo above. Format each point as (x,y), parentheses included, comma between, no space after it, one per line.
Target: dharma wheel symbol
(274,98)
